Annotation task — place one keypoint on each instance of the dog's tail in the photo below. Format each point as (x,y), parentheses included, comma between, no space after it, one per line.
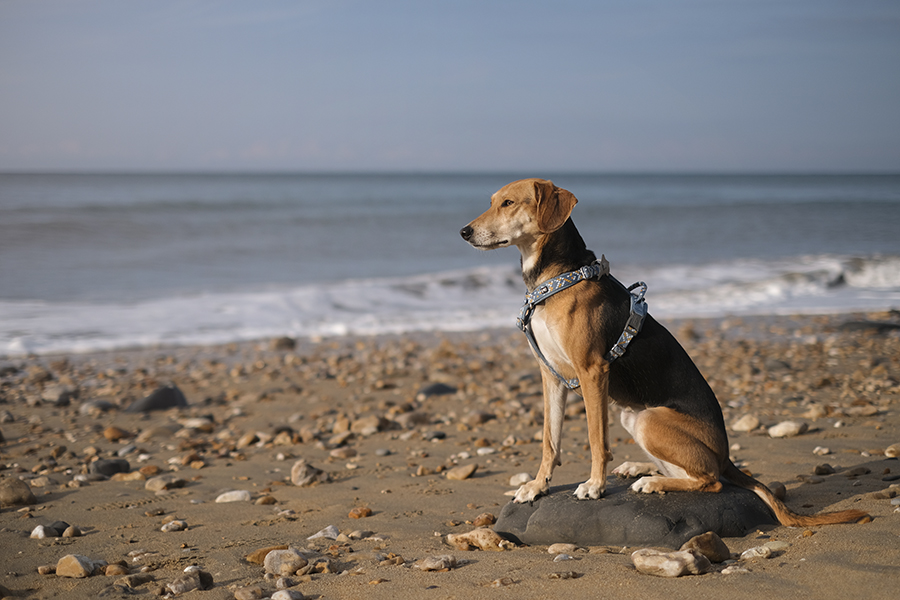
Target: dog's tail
(784,515)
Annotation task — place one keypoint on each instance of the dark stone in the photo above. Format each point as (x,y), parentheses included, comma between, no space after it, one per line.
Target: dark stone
(437,389)
(876,326)
(109,466)
(626,518)
(160,399)
(58,526)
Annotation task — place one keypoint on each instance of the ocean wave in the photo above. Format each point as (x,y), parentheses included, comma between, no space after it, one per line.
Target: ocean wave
(463,300)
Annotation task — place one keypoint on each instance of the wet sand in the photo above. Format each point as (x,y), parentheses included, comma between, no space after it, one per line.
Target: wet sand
(368,414)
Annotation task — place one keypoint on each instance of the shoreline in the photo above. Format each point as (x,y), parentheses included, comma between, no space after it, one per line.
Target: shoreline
(363,410)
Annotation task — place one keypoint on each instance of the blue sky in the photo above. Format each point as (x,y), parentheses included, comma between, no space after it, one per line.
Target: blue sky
(637,85)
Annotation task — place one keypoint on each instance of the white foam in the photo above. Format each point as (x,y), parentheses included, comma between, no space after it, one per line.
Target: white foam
(451,301)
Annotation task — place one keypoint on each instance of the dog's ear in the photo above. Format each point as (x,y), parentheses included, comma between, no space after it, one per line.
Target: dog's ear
(554,205)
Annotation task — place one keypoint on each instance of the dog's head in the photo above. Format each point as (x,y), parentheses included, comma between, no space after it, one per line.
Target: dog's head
(520,213)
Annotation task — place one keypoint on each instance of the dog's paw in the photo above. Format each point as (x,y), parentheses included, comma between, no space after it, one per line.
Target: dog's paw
(590,490)
(647,485)
(529,491)
(634,469)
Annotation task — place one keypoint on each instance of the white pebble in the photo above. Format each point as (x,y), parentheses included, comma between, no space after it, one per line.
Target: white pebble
(485,451)
(561,557)
(821,451)
(787,429)
(331,532)
(234,496)
(757,552)
(519,479)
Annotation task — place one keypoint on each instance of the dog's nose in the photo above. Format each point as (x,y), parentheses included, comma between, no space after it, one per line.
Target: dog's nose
(466,232)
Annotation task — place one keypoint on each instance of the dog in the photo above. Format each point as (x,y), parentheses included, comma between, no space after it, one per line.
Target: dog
(667,405)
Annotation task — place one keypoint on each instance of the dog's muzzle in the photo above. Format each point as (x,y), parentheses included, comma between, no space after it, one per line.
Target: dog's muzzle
(467,232)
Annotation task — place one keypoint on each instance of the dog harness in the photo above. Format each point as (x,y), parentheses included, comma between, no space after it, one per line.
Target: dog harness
(595,270)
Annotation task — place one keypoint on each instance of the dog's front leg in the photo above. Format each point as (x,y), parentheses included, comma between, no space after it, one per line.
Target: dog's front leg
(595,388)
(555,394)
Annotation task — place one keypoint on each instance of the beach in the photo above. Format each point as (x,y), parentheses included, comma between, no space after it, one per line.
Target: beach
(382,422)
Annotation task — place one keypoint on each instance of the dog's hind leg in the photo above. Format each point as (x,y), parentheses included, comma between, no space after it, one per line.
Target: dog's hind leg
(688,452)
(555,395)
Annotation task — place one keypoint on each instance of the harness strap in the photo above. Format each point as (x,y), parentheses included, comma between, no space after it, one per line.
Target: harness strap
(597,269)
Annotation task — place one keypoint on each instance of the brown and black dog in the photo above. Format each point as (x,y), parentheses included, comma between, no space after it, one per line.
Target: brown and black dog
(668,407)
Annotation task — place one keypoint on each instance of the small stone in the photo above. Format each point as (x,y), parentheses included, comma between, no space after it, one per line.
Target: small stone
(745,424)
(756,552)
(479,539)
(892,451)
(484,520)
(15,492)
(135,580)
(443,562)
(284,562)
(670,564)
(561,548)
(176,525)
(565,575)
(360,512)
(331,532)
(75,565)
(287,595)
(519,479)
(710,545)
(251,592)
(109,466)
(787,429)
(115,570)
(561,557)
(266,500)
(234,496)
(43,570)
(824,469)
(114,434)
(162,398)
(164,482)
(133,476)
(71,531)
(777,546)
(435,389)
(821,451)
(258,557)
(185,583)
(462,472)
(304,474)
(732,569)
(41,532)
(342,453)
(283,583)
(778,490)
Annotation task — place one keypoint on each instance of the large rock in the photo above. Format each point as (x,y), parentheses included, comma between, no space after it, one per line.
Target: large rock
(15,492)
(626,518)
(162,398)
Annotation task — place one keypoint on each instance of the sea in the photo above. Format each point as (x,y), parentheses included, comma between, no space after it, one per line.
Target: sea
(94,262)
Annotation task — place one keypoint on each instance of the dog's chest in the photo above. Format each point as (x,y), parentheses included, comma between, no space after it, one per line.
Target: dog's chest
(549,341)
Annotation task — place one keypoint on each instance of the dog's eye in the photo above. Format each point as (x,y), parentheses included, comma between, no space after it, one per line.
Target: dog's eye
(507,203)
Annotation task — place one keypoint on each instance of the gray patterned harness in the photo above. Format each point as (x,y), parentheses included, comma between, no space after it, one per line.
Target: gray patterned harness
(595,270)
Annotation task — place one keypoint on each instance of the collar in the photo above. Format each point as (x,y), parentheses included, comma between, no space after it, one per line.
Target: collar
(597,269)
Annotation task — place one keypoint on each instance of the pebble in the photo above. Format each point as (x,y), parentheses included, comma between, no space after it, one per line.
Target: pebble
(287,595)
(71,531)
(756,552)
(258,557)
(193,579)
(710,545)
(304,474)
(234,496)
(787,429)
(109,466)
(732,569)
(669,564)
(821,451)
(777,545)
(164,482)
(745,424)
(114,434)
(162,398)
(15,492)
(561,557)
(562,548)
(824,469)
(360,512)
(251,592)
(41,532)
(479,539)
(462,472)
(284,562)
(176,525)
(115,570)
(519,479)
(75,565)
(484,520)
(892,451)
(443,562)
(331,532)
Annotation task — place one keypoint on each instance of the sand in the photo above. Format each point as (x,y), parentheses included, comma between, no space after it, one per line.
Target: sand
(354,408)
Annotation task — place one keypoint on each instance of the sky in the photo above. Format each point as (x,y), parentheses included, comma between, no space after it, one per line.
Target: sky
(344,85)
